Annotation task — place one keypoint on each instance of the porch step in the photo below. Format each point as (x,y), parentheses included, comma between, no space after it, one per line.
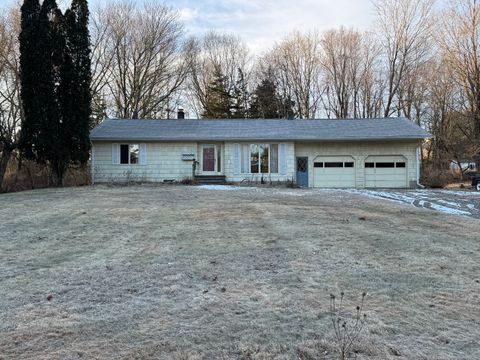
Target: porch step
(210,179)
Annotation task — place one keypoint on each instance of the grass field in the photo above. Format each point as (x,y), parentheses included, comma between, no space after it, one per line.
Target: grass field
(176,272)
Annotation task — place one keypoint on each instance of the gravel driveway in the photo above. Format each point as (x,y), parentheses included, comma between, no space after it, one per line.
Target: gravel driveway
(455,202)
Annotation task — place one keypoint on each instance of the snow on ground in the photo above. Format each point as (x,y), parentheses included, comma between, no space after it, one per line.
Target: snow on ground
(221,187)
(453,202)
(450,202)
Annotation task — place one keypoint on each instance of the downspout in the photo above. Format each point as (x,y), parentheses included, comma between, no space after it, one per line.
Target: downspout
(92,164)
(418,162)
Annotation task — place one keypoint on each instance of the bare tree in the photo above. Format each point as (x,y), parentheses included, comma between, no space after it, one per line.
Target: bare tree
(371,87)
(10,108)
(296,63)
(342,66)
(102,60)
(460,43)
(141,58)
(404,27)
(224,53)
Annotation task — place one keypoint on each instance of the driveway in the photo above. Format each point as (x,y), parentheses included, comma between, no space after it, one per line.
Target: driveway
(455,202)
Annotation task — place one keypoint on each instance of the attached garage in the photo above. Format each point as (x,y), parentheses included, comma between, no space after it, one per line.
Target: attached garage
(334,171)
(386,171)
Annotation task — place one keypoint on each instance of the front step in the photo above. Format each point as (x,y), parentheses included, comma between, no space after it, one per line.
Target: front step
(210,179)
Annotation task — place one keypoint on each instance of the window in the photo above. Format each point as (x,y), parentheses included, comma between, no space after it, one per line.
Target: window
(219,159)
(334,164)
(264,163)
(318,164)
(369,165)
(384,165)
(400,164)
(259,158)
(254,158)
(349,164)
(129,154)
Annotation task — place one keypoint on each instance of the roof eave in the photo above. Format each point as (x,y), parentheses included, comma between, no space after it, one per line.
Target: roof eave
(156,139)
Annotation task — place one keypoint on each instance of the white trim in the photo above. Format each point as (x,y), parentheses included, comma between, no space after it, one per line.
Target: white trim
(92,163)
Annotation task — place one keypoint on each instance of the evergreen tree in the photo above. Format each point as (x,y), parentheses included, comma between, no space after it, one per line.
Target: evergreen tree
(265,103)
(80,77)
(37,91)
(218,98)
(241,98)
(55,141)
(55,84)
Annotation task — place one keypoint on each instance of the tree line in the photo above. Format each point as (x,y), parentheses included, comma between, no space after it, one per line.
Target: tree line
(419,60)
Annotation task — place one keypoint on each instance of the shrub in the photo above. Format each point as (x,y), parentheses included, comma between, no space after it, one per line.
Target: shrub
(436,178)
(188,181)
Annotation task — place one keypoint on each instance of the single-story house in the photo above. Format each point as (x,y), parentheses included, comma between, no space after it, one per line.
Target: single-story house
(356,153)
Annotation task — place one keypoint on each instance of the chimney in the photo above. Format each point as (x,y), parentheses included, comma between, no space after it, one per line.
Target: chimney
(181,114)
(290,115)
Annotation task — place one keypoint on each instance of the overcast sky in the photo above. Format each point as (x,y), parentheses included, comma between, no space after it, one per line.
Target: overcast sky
(262,22)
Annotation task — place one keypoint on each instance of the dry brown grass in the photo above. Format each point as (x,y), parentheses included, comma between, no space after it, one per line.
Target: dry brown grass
(137,273)
(30,175)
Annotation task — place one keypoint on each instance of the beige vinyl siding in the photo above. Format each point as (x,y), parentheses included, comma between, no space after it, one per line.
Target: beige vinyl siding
(234,175)
(163,162)
(359,151)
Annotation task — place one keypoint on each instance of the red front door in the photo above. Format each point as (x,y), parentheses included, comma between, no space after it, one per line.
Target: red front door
(209,158)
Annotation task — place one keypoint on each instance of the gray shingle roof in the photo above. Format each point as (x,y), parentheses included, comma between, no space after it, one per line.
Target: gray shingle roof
(257,129)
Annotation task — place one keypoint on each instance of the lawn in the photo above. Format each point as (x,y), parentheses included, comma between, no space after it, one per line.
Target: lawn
(178,272)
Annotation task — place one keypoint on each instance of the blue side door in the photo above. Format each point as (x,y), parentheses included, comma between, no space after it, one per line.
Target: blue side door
(302,171)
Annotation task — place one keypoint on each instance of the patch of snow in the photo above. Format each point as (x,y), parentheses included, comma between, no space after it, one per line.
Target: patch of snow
(410,197)
(459,192)
(448,210)
(398,197)
(222,187)
(471,206)
(448,203)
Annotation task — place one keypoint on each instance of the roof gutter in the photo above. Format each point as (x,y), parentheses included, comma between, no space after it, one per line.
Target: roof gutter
(414,138)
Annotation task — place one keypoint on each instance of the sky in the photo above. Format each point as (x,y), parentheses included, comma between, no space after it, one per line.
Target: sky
(263,22)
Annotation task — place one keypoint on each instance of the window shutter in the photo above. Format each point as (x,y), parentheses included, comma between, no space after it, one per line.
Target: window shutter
(115,154)
(246,158)
(143,154)
(282,161)
(236,159)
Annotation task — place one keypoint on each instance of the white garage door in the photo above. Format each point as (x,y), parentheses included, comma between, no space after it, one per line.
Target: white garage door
(334,171)
(385,172)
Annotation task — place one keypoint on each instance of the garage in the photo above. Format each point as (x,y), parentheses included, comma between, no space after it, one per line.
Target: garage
(386,172)
(334,172)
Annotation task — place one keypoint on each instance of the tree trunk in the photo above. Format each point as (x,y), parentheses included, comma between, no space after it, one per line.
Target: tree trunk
(58,172)
(4,159)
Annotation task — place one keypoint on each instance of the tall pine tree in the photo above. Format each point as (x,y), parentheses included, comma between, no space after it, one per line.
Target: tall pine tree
(55,77)
(218,99)
(79,57)
(241,98)
(265,101)
(37,91)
